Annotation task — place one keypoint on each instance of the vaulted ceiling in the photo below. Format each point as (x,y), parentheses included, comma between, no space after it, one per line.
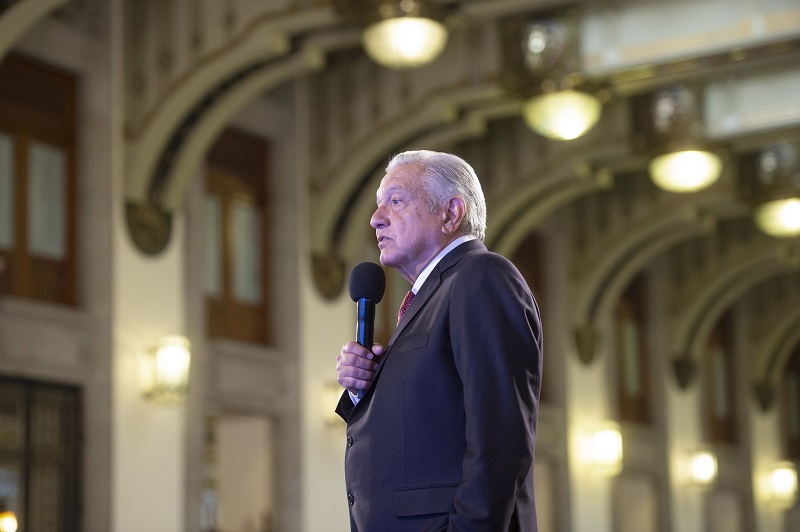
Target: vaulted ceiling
(191,67)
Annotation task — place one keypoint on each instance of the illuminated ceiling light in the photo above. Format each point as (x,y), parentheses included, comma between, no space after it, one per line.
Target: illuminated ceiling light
(541,64)
(164,371)
(398,34)
(668,127)
(685,171)
(779,218)
(563,115)
(405,42)
(770,180)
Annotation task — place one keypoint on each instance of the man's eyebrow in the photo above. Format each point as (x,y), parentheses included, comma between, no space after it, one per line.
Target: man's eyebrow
(393,188)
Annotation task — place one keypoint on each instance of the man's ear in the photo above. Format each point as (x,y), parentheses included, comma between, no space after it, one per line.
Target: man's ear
(452,215)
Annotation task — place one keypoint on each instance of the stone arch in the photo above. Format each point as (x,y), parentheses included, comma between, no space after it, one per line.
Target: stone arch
(261,45)
(773,354)
(619,263)
(517,213)
(213,121)
(752,265)
(19,17)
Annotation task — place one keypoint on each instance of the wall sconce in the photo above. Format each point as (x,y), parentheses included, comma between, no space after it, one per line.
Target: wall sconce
(701,468)
(8,521)
(600,449)
(669,127)
(164,371)
(770,180)
(331,392)
(541,65)
(399,34)
(780,485)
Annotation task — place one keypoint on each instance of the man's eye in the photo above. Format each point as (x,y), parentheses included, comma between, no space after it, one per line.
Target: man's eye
(396,201)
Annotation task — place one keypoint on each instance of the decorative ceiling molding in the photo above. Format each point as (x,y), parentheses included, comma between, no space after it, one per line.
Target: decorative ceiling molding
(20,17)
(772,355)
(625,255)
(761,260)
(568,174)
(201,135)
(263,41)
(544,196)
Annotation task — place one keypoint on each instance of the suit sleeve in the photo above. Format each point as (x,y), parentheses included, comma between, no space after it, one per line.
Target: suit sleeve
(345,406)
(497,344)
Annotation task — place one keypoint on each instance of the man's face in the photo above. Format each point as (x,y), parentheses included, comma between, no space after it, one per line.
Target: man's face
(409,235)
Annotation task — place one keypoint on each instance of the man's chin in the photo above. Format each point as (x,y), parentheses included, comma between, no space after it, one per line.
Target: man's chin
(386,260)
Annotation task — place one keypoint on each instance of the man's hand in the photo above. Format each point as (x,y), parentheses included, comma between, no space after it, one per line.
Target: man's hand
(356,366)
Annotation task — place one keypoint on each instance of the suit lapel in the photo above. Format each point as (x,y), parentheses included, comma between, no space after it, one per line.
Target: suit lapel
(432,283)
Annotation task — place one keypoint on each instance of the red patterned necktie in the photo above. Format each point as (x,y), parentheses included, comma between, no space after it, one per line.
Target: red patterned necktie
(406,303)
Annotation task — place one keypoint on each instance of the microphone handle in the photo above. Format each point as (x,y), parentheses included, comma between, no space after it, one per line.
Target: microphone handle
(365,326)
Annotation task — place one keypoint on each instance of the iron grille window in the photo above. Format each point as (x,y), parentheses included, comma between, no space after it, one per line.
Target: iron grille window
(40,453)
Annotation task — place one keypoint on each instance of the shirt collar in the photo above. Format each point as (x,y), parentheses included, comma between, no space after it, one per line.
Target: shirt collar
(432,264)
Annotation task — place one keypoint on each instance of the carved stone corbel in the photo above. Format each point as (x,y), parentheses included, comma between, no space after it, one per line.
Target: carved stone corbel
(328,272)
(586,339)
(685,369)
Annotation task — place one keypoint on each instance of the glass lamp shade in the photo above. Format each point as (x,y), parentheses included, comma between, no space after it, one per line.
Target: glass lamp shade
(685,171)
(165,371)
(781,485)
(601,449)
(562,115)
(404,42)
(780,218)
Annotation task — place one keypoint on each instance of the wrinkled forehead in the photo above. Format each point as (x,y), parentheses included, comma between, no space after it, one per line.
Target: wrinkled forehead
(404,178)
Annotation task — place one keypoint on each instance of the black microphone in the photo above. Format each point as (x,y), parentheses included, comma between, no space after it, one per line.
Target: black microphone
(367,284)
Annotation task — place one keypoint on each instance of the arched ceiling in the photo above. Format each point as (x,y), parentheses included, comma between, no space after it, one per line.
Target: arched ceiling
(359,114)
(179,97)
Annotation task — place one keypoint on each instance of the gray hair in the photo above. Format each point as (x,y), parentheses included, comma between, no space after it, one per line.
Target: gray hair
(446,176)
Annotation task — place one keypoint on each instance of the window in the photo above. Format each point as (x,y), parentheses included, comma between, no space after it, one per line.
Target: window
(791,405)
(236,240)
(37,184)
(40,429)
(631,354)
(719,381)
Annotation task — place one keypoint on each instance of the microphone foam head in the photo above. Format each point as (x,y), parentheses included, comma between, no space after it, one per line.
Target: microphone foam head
(367,281)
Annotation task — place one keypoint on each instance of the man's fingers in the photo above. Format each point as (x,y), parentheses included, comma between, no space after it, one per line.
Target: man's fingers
(350,359)
(358,350)
(351,377)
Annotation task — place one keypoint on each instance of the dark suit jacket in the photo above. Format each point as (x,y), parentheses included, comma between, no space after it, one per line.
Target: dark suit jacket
(444,437)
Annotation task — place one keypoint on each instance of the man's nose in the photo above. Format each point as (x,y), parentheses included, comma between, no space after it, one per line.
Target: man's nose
(378,220)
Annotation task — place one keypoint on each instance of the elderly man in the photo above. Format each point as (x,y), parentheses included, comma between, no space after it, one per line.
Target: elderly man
(443,436)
